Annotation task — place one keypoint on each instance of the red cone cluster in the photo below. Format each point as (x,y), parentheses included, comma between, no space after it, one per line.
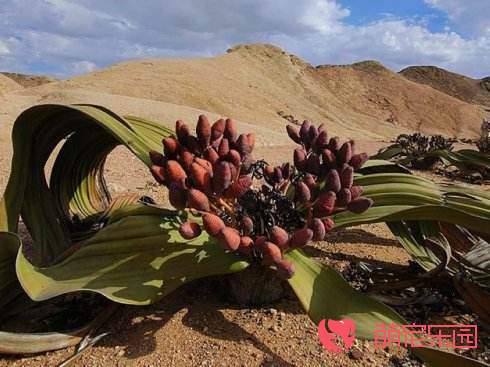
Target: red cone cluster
(211,174)
(327,168)
(199,170)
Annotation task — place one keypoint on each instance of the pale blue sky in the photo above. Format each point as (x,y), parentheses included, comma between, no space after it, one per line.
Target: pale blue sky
(64,38)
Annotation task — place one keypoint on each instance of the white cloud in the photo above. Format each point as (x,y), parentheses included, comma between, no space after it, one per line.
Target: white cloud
(68,37)
(468,15)
(4,50)
(399,43)
(82,67)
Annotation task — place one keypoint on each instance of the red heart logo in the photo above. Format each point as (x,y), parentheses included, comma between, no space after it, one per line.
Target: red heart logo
(346,329)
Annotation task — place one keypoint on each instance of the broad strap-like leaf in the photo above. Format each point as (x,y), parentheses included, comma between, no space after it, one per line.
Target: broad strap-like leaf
(136,260)
(324,294)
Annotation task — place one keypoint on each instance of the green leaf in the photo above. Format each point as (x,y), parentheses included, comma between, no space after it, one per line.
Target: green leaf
(324,294)
(76,185)
(135,260)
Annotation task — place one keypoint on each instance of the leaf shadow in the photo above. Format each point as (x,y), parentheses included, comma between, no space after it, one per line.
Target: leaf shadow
(200,302)
(360,236)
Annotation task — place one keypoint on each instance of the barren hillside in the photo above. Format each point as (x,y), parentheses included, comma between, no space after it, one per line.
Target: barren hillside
(27,80)
(7,85)
(466,89)
(255,82)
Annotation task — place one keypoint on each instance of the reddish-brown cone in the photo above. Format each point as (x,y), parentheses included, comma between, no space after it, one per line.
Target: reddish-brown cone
(204,164)
(300,159)
(211,155)
(234,171)
(313,164)
(345,153)
(240,186)
(280,237)
(293,134)
(175,172)
(271,253)
(302,193)
(360,205)
(185,159)
(201,178)
(203,131)
(329,224)
(224,148)
(247,161)
(312,134)
(189,230)
(217,129)
(234,157)
(222,177)
(182,131)
(333,181)
(344,197)
(246,245)
(321,141)
(356,191)
(158,173)
(193,145)
(177,195)
(247,225)
(230,130)
(157,158)
(243,145)
(303,131)
(285,269)
(329,158)
(277,175)
(300,237)
(287,171)
(251,140)
(325,204)
(170,147)
(334,144)
(318,229)
(347,177)
(358,160)
(212,224)
(310,181)
(198,200)
(228,238)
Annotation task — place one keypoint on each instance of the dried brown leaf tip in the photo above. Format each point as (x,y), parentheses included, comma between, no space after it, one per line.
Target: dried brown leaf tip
(249,206)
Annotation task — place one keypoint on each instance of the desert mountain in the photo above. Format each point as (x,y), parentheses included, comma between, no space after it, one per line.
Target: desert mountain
(258,83)
(470,90)
(8,85)
(27,81)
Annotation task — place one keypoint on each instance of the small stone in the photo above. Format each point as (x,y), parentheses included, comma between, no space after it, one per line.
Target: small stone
(273,311)
(355,353)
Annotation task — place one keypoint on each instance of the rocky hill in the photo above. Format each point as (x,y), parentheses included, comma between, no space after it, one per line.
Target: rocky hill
(7,85)
(27,81)
(262,84)
(470,90)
